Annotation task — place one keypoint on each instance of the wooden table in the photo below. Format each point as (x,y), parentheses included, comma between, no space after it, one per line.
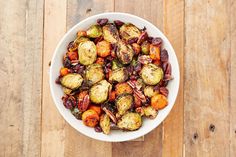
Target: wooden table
(203,120)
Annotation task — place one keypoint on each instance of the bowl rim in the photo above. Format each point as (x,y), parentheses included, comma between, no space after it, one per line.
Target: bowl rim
(51,81)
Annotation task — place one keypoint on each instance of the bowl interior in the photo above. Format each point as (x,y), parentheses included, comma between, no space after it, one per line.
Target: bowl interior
(116,135)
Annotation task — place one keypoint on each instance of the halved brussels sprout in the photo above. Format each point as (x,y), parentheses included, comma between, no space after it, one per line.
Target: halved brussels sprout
(129,31)
(118,75)
(115,64)
(72,81)
(150,112)
(151,74)
(105,124)
(110,33)
(99,92)
(124,52)
(149,91)
(66,90)
(123,103)
(94,31)
(87,53)
(130,121)
(79,40)
(94,73)
(145,47)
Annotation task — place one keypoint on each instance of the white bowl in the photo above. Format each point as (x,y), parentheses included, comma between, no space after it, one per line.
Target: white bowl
(115,135)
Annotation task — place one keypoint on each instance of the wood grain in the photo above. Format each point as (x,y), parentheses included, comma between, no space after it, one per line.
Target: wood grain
(152,11)
(173,125)
(206,77)
(76,143)
(232,95)
(53,125)
(21,58)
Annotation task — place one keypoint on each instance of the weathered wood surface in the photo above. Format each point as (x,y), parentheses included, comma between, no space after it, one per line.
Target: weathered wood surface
(203,120)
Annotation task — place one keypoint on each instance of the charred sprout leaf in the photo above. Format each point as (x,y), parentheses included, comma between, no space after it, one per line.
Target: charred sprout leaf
(99,92)
(67,91)
(94,73)
(87,53)
(150,112)
(110,33)
(130,121)
(118,75)
(124,52)
(72,81)
(151,74)
(145,47)
(94,31)
(124,103)
(77,113)
(129,31)
(105,123)
(79,40)
(149,91)
(116,64)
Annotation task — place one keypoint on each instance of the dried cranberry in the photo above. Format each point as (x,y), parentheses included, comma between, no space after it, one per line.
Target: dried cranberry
(102,22)
(138,67)
(97,128)
(130,69)
(70,45)
(118,23)
(132,40)
(67,62)
(108,65)
(98,39)
(156,88)
(142,37)
(58,80)
(150,39)
(78,69)
(133,77)
(157,41)
(164,55)
(166,66)
(69,102)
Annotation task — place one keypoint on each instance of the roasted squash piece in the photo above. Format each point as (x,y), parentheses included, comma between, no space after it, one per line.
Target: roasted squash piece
(159,101)
(122,88)
(90,118)
(103,48)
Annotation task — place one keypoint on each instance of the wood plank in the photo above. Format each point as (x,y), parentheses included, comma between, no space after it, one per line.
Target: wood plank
(21,57)
(173,125)
(53,125)
(152,144)
(207,78)
(233,80)
(76,11)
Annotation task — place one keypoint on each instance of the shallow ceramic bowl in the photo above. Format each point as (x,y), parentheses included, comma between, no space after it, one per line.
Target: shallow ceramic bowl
(115,135)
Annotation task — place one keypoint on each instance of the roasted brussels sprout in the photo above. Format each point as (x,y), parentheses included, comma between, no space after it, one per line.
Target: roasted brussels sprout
(129,31)
(130,121)
(87,53)
(67,91)
(99,92)
(145,47)
(122,88)
(149,91)
(123,103)
(110,33)
(94,73)
(72,81)
(151,74)
(105,123)
(115,64)
(124,52)
(79,40)
(150,112)
(94,31)
(118,75)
